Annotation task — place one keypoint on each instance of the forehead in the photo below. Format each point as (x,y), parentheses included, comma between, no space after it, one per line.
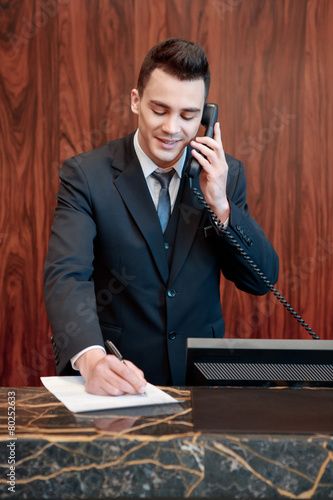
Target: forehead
(173,92)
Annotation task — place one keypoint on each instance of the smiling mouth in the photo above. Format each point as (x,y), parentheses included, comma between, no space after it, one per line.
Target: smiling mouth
(168,142)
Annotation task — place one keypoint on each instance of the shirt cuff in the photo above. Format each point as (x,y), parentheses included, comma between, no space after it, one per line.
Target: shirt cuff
(76,357)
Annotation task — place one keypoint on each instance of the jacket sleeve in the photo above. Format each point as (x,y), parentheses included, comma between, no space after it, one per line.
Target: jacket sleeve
(69,288)
(249,236)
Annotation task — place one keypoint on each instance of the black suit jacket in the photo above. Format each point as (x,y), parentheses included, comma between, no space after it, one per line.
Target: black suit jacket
(107,274)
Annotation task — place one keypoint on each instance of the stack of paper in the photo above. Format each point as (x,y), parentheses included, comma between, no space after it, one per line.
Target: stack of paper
(71,392)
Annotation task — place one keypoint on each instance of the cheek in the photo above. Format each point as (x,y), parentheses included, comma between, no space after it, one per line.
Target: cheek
(192,129)
(149,122)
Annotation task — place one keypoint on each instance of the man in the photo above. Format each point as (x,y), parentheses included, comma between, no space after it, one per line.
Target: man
(135,258)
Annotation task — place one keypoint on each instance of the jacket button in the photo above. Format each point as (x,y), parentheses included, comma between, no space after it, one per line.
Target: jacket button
(172,335)
(171,293)
(166,245)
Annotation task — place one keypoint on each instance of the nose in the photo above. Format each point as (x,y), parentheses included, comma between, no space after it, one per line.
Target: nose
(171,125)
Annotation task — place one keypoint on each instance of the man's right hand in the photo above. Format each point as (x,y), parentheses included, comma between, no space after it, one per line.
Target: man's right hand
(105,374)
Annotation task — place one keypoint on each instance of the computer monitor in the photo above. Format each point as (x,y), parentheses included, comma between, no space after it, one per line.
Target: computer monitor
(257,362)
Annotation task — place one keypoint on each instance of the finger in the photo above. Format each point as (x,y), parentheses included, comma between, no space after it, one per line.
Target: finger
(206,142)
(206,150)
(212,142)
(116,384)
(101,388)
(205,164)
(217,134)
(106,375)
(209,153)
(125,372)
(106,381)
(102,381)
(136,369)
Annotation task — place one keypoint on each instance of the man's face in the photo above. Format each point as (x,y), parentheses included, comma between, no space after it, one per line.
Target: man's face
(169,114)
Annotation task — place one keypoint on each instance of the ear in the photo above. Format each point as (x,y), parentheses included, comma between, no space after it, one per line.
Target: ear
(135,101)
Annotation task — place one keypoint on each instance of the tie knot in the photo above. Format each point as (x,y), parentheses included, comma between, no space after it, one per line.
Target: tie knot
(163,178)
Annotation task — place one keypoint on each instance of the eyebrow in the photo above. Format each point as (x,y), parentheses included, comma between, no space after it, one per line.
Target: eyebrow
(163,105)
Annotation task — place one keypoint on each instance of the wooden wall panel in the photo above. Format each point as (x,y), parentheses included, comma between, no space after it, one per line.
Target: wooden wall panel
(66,70)
(96,70)
(315,258)
(29,150)
(263,100)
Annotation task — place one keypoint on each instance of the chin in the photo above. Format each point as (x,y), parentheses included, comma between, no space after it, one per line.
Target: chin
(166,156)
(165,160)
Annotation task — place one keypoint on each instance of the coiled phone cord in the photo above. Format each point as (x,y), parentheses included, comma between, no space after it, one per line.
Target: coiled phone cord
(219,226)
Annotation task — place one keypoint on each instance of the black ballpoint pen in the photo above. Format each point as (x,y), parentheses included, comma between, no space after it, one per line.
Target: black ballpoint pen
(113,350)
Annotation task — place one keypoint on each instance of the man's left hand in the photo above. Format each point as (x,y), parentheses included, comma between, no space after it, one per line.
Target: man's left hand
(213,176)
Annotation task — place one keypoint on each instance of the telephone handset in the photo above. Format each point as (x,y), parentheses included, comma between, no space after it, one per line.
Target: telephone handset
(209,118)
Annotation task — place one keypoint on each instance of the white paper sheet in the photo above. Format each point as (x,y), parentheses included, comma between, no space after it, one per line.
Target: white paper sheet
(71,392)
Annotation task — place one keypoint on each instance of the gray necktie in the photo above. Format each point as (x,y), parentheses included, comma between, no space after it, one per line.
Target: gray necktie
(164,205)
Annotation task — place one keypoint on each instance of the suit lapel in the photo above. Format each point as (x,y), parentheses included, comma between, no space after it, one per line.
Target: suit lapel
(134,191)
(190,214)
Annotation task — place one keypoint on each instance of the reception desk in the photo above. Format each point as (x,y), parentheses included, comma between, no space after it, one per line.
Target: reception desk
(152,452)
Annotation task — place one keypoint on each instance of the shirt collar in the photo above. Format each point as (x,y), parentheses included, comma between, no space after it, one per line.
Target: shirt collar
(148,166)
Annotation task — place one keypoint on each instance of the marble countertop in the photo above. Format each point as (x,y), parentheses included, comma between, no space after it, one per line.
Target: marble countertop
(40,415)
(152,452)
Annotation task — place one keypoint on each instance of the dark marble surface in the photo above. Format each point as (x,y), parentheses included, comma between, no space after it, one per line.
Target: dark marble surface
(152,452)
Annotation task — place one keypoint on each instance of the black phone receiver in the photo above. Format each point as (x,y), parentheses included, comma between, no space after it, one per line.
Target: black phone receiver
(209,118)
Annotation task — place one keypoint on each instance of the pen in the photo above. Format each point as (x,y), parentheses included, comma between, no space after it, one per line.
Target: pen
(113,350)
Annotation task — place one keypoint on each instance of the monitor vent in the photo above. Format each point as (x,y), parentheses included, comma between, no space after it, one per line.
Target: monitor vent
(267,371)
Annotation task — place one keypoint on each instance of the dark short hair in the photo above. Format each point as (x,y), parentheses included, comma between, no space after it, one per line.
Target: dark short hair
(180,58)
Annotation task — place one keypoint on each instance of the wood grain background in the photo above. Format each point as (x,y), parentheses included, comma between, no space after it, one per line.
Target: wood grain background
(66,70)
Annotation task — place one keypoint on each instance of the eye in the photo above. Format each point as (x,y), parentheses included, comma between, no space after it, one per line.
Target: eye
(158,113)
(187,117)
